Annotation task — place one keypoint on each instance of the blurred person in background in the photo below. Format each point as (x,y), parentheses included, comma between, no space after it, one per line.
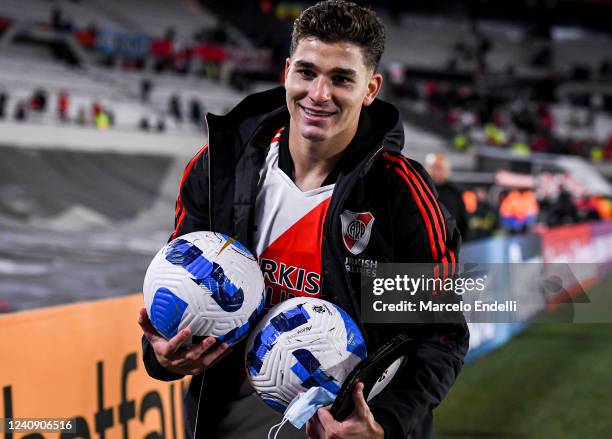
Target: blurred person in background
(518,211)
(3,101)
(604,207)
(102,120)
(96,108)
(588,208)
(144,124)
(196,112)
(58,20)
(63,103)
(174,108)
(38,101)
(82,116)
(21,111)
(146,85)
(161,125)
(316,143)
(449,195)
(163,50)
(87,36)
(482,216)
(563,210)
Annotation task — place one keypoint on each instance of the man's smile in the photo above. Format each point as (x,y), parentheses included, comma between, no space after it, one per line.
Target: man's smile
(316,113)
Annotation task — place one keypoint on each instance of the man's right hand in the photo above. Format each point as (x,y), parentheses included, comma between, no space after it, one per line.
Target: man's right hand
(173,356)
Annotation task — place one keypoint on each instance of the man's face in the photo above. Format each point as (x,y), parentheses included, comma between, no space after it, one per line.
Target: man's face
(439,169)
(326,86)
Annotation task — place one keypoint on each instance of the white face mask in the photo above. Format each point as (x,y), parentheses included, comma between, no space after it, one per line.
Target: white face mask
(304,406)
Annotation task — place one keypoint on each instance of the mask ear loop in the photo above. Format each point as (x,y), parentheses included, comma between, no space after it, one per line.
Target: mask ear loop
(195,426)
(279,425)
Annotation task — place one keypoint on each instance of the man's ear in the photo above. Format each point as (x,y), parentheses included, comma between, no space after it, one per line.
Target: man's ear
(287,65)
(374,85)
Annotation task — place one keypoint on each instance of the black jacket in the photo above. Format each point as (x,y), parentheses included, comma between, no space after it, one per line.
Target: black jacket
(218,192)
(450,197)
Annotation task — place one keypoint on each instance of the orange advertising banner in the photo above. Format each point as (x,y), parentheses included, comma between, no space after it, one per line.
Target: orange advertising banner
(82,363)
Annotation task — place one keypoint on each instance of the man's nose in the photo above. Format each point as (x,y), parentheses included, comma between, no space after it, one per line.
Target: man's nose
(320,90)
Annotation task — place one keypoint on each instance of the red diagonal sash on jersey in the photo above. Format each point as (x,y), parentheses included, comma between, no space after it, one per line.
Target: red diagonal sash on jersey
(292,263)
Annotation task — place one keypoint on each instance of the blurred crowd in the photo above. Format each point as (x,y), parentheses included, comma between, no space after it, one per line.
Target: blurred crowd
(209,51)
(203,55)
(521,123)
(516,203)
(41,104)
(208,48)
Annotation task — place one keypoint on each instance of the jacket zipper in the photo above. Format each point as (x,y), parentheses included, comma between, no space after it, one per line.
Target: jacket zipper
(210,194)
(333,218)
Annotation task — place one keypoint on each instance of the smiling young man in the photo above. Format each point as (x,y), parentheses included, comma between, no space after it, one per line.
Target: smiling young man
(327,84)
(311,177)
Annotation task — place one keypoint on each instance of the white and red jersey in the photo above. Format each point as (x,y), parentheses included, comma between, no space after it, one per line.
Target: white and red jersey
(289,231)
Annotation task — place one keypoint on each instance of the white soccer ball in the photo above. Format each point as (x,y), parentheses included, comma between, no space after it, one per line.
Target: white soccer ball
(301,343)
(207,282)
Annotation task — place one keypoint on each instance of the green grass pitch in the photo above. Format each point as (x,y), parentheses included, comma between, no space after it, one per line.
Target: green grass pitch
(553,380)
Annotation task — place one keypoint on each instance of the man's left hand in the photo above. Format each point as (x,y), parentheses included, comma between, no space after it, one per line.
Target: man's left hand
(360,424)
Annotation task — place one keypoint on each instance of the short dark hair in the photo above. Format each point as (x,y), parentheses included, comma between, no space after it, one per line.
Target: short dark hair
(336,21)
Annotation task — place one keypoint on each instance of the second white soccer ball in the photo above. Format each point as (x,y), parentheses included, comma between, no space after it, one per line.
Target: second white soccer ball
(301,343)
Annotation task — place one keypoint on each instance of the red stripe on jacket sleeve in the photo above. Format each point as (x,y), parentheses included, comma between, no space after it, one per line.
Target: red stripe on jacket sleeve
(179,213)
(421,207)
(431,195)
(411,177)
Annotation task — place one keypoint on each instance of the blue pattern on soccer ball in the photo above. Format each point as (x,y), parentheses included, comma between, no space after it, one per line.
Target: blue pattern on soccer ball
(266,339)
(205,273)
(167,309)
(355,342)
(308,369)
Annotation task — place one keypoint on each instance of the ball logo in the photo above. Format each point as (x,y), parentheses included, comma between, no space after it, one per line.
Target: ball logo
(318,309)
(356,230)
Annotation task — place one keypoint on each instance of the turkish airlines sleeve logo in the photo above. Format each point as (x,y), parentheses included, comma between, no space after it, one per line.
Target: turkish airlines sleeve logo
(356,230)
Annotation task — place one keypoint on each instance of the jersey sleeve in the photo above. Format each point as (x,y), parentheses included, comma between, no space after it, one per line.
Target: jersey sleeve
(191,211)
(425,233)
(191,214)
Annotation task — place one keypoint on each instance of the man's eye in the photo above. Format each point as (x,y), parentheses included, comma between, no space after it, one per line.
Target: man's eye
(342,80)
(306,73)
